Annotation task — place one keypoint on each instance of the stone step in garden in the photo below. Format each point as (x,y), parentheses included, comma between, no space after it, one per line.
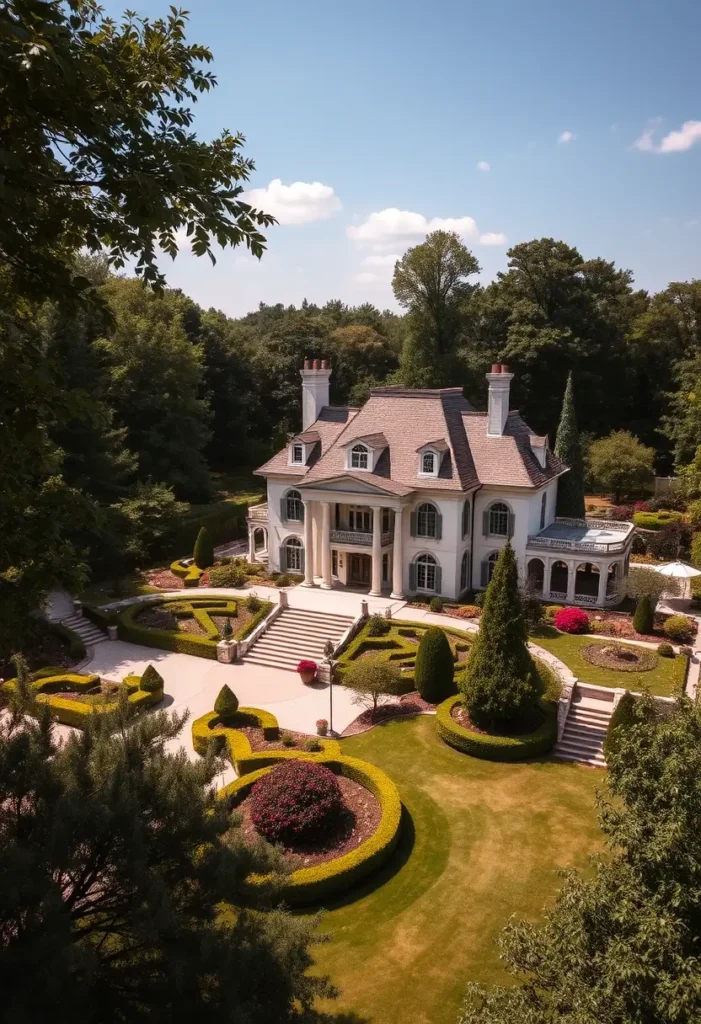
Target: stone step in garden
(88,632)
(297,634)
(584,734)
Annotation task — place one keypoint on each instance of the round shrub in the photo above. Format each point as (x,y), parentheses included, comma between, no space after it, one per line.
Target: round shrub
(679,629)
(572,620)
(227,576)
(295,802)
(312,745)
(665,650)
(287,739)
(436,604)
(378,625)
(203,555)
(551,610)
(434,671)
(283,580)
(226,705)
(253,603)
(151,680)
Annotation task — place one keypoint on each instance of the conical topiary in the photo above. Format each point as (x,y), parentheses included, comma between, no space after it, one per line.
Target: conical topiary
(226,705)
(501,686)
(434,671)
(570,487)
(644,616)
(151,680)
(203,554)
(228,630)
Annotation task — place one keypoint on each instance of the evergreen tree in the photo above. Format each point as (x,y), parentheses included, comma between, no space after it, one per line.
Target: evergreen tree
(226,705)
(434,671)
(203,555)
(501,685)
(117,860)
(644,618)
(568,448)
(151,680)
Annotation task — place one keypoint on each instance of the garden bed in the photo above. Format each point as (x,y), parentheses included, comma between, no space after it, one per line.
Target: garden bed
(407,704)
(620,657)
(468,739)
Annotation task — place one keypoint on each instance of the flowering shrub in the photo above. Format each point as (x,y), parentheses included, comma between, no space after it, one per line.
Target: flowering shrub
(572,620)
(307,665)
(322,726)
(642,506)
(620,513)
(295,802)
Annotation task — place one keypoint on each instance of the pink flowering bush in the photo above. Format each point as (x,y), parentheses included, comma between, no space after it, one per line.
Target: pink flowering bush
(572,620)
(295,802)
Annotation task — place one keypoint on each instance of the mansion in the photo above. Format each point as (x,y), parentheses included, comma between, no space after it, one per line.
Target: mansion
(417,492)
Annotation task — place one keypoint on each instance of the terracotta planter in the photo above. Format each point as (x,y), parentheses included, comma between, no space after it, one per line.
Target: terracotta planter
(307,676)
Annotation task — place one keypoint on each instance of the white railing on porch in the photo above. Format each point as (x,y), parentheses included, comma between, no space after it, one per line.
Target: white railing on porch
(358,537)
(258,513)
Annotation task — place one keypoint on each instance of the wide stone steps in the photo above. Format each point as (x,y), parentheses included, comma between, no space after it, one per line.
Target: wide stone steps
(297,634)
(584,734)
(88,632)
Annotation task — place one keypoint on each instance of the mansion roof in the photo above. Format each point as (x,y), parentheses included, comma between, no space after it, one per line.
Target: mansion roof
(399,422)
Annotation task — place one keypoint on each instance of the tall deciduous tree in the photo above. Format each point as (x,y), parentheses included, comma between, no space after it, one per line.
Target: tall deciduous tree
(122,878)
(620,463)
(568,446)
(621,945)
(501,685)
(430,281)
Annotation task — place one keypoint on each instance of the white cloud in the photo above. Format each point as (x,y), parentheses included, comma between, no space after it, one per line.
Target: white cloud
(677,141)
(367,277)
(567,137)
(493,238)
(483,166)
(391,226)
(299,203)
(381,261)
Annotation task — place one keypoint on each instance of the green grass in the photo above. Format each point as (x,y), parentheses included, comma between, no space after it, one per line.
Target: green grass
(488,840)
(665,680)
(109,590)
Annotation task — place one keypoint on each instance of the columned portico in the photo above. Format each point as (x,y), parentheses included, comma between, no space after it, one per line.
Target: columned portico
(308,546)
(376,588)
(326,545)
(398,557)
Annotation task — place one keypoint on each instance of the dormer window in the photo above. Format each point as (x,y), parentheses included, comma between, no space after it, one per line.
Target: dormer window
(430,457)
(297,454)
(428,462)
(359,457)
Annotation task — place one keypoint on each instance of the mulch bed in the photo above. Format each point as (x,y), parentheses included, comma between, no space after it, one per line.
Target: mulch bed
(408,704)
(106,689)
(359,821)
(254,735)
(157,618)
(165,579)
(619,624)
(620,657)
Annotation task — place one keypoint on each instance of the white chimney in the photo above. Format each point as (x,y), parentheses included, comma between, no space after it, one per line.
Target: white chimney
(315,389)
(498,401)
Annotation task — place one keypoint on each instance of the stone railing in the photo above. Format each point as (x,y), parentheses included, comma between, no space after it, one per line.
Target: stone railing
(560,544)
(597,524)
(258,513)
(358,537)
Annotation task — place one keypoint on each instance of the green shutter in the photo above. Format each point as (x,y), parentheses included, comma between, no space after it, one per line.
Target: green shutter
(412,577)
(439,579)
(412,523)
(301,567)
(283,509)
(484,573)
(439,525)
(301,512)
(485,522)
(283,558)
(510,524)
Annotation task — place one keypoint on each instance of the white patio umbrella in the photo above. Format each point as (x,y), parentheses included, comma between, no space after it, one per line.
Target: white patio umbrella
(679,570)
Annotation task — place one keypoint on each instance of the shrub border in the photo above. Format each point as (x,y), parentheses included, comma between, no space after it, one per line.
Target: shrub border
(189,574)
(388,644)
(74,712)
(497,748)
(314,884)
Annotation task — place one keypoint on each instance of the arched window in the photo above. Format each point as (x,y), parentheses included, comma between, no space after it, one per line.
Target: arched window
(543,507)
(426,573)
(294,510)
(293,555)
(426,521)
(466,518)
(463,572)
(359,457)
(499,520)
(428,463)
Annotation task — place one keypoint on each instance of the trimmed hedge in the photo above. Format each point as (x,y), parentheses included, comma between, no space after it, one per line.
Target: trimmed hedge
(99,616)
(189,574)
(497,748)
(314,884)
(655,520)
(75,712)
(181,642)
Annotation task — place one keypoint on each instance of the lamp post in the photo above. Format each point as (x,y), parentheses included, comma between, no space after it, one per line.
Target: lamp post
(328,657)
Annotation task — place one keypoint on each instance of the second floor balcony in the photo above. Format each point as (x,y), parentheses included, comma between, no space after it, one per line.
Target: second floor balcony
(361,538)
(596,536)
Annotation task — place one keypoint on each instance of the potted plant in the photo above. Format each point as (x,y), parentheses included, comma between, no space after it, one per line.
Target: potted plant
(322,726)
(307,670)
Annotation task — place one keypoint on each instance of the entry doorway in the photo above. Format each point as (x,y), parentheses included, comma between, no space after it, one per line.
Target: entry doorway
(359,570)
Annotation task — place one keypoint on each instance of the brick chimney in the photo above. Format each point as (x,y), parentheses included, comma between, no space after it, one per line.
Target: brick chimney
(498,400)
(315,389)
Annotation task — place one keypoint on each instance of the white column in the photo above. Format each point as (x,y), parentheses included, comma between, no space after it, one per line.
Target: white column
(251,544)
(603,577)
(316,538)
(308,545)
(326,545)
(376,588)
(398,557)
(571,580)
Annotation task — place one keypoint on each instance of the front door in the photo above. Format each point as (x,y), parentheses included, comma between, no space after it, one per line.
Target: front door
(359,570)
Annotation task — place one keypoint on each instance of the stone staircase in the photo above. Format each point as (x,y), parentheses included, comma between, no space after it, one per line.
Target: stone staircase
(88,632)
(295,634)
(585,730)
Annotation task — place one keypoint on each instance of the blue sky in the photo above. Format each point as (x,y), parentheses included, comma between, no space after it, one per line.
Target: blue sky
(588,116)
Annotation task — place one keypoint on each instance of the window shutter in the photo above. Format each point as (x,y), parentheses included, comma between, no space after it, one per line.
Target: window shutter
(485,522)
(412,523)
(484,574)
(510,527)
(412,577)
(439,525)
(301,562)
(283,509)
(439,579)
(283,558)
(301,512)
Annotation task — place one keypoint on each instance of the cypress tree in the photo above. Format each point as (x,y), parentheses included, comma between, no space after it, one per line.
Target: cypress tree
(570,487)
(644,617)
(203,554)
(434,671)
(501,685)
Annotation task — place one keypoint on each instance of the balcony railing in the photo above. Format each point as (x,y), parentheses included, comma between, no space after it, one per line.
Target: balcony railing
(560,544)
(358,537)
(258,513)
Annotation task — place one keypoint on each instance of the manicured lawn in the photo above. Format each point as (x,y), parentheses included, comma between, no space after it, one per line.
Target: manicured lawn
(665,680)
(487,842)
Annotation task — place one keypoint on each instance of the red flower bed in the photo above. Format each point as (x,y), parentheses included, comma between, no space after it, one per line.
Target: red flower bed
(295,802)
(572,620)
